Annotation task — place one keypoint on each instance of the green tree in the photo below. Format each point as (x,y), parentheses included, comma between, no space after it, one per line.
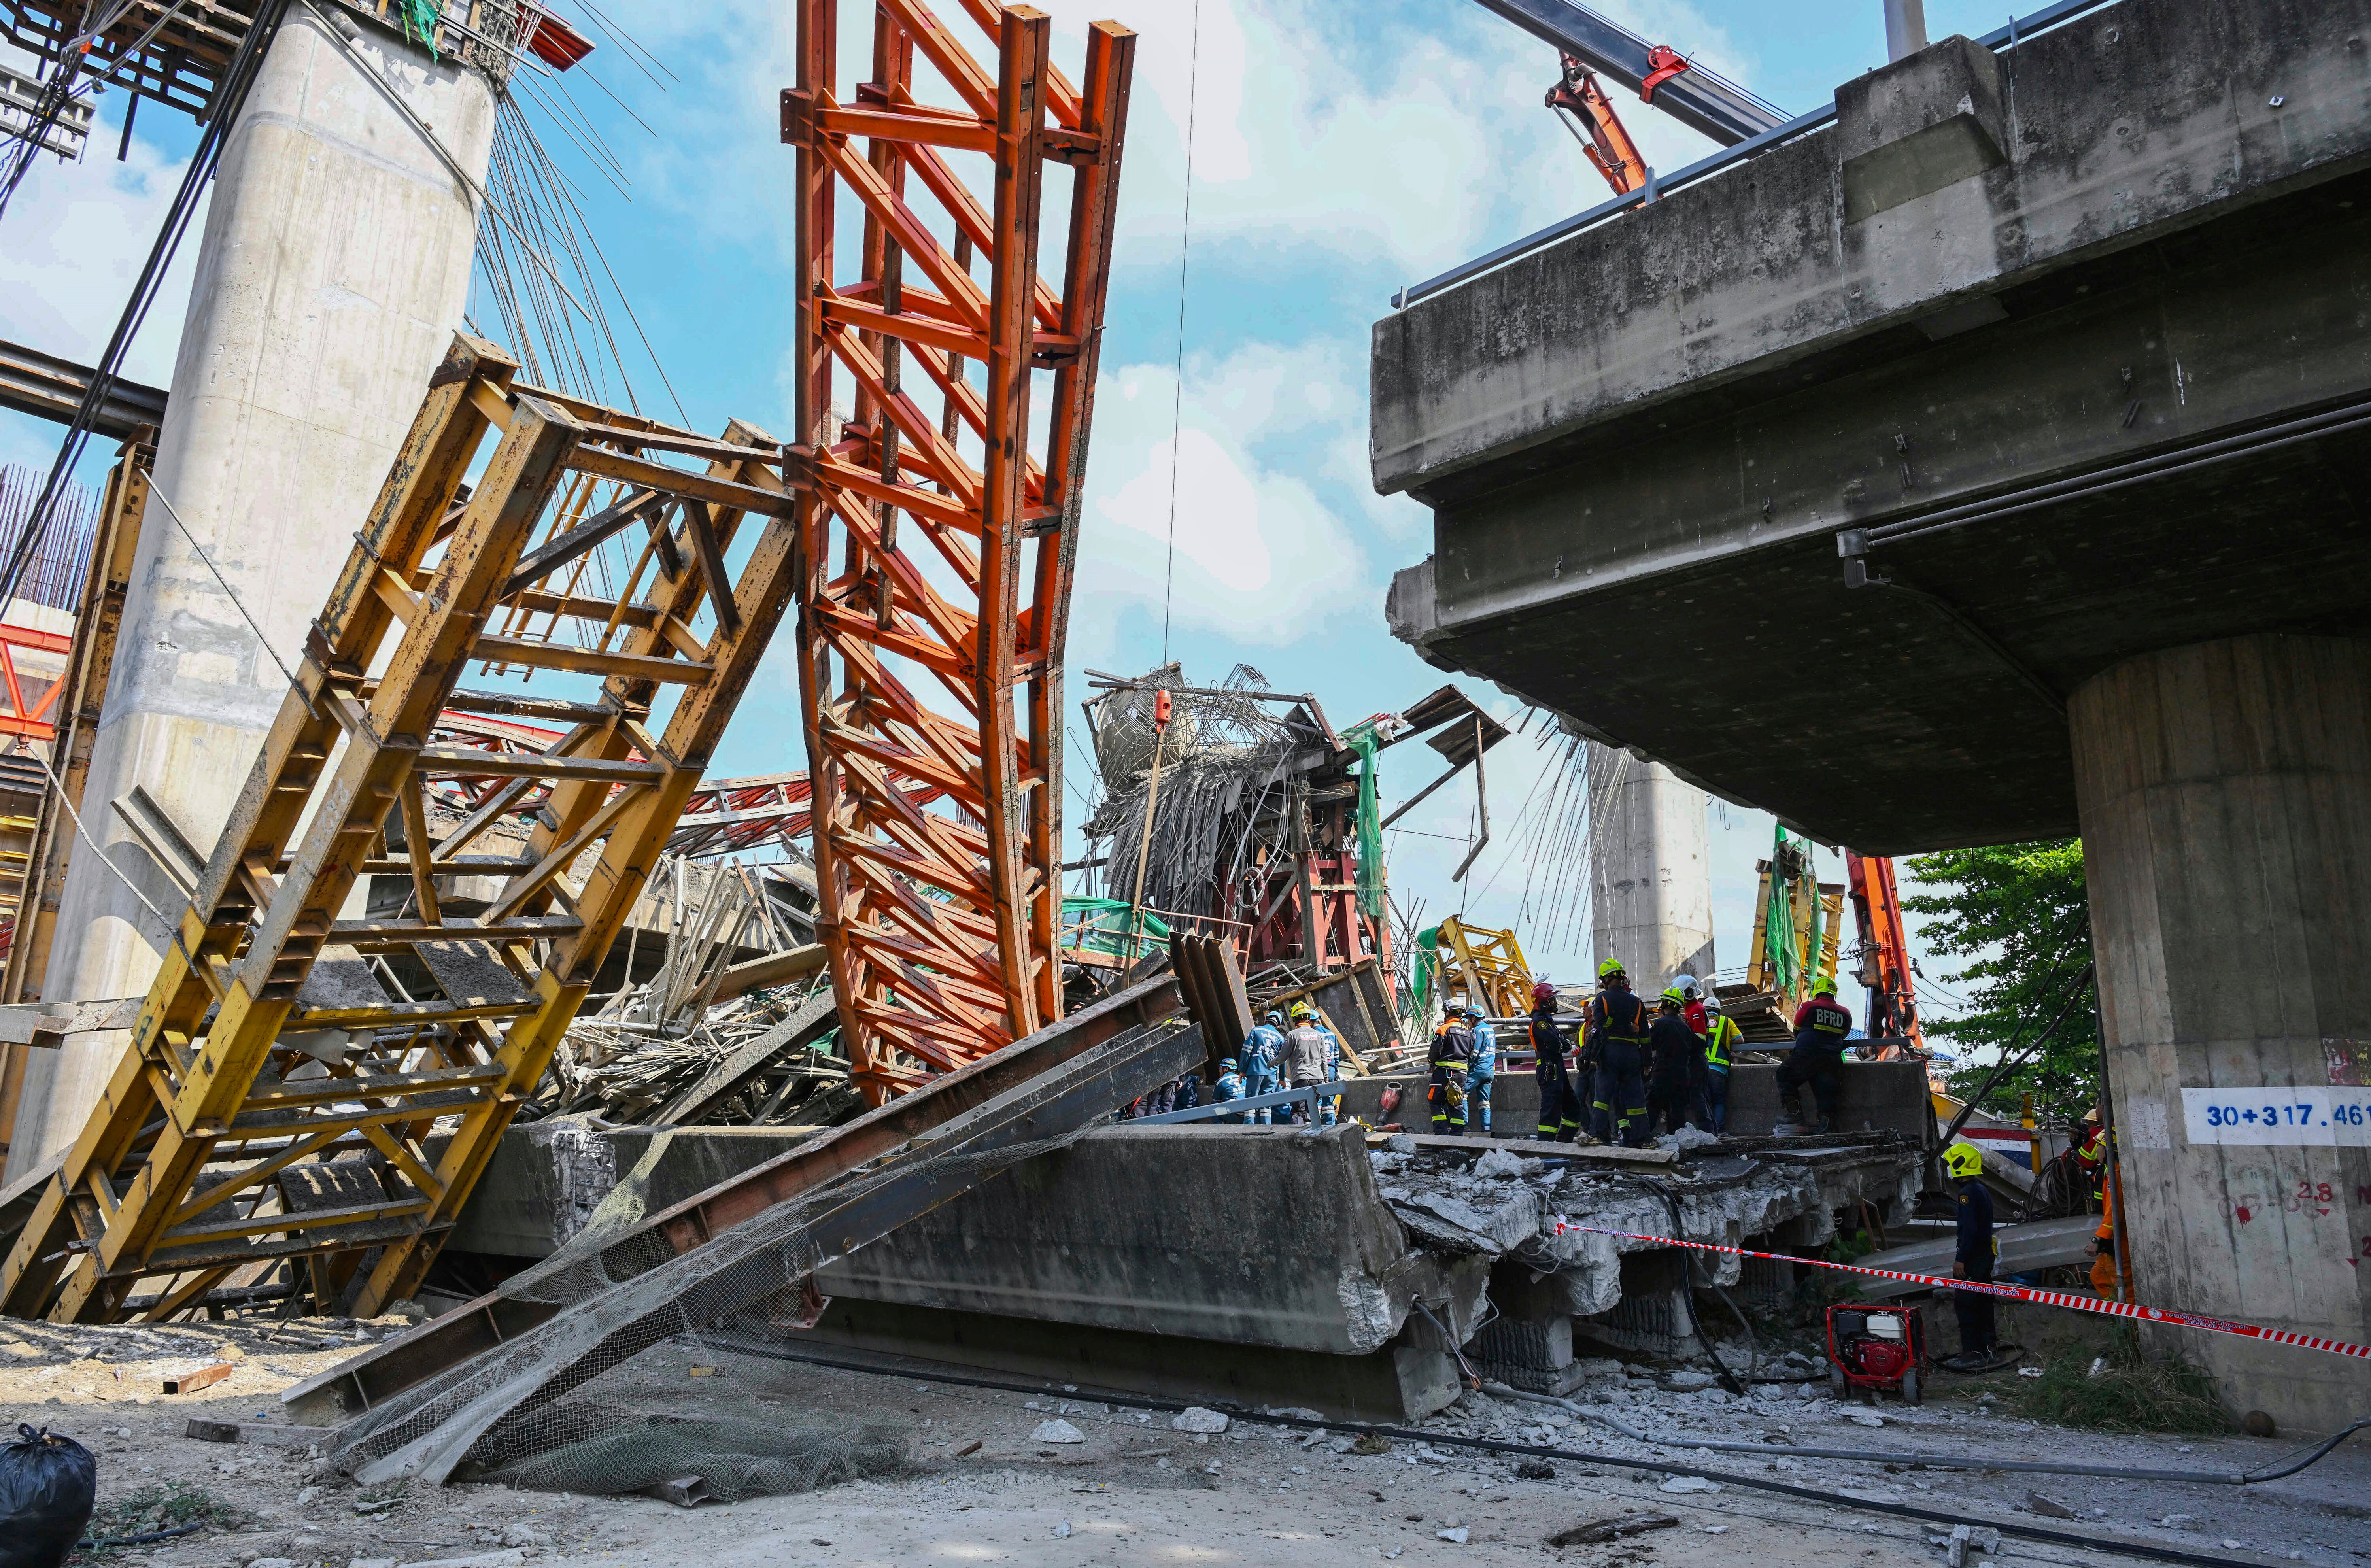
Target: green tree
(2018,913)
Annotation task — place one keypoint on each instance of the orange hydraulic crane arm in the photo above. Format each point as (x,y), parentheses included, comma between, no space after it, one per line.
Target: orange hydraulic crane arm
(1606,142)
(1886,942)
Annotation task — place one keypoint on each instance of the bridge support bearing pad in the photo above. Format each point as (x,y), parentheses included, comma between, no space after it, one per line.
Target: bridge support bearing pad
(2225,792)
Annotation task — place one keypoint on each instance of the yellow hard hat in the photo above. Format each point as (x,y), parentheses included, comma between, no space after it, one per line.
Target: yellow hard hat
(1962,1161)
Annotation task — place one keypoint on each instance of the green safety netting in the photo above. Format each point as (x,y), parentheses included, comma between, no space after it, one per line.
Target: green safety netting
(1419,967)
(1107,925)
(1362,739)
(419,18)
(1779,950)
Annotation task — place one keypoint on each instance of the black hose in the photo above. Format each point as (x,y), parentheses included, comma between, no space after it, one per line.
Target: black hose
(2296,1462)
(140,1539)
(1532,1450)
(1688,1297)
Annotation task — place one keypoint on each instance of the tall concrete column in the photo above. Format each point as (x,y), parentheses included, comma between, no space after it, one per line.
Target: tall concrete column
(1649,868)
(2225,792)
(333,269)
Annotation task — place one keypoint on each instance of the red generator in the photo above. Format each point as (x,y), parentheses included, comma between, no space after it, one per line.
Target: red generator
(1877,1347)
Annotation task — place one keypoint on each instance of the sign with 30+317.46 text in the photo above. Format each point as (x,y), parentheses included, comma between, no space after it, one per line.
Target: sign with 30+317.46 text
(2337,1117)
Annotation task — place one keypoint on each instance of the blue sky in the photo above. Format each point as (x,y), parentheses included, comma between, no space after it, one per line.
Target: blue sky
(1339,150)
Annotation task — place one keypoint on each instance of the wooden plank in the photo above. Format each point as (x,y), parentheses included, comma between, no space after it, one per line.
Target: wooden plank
(263,1434)
(204,1377)
(774,969)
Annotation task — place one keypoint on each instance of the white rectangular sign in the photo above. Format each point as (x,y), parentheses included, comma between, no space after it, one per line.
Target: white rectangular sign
(2336,1117)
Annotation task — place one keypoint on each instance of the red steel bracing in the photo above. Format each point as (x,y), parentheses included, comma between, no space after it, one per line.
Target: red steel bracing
(941,531)
(20,718)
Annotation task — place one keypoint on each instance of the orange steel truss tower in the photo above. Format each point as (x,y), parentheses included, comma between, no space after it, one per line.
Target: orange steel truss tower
(948,411)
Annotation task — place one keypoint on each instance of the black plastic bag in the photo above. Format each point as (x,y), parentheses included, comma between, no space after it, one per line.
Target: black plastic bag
(48,1485)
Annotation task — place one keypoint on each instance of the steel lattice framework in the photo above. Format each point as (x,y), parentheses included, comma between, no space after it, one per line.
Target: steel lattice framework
(276,1099)
(937,586)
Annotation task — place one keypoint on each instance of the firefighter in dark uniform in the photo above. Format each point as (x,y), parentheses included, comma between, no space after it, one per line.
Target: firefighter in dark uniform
(1559,1106)
(1453,1048)
(1617,1026)
(1821,1025)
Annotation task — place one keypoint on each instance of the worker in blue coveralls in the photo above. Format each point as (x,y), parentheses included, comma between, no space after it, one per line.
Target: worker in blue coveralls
(1481,1073)
(1263,1051)
(1230,1086)
(1309,1054)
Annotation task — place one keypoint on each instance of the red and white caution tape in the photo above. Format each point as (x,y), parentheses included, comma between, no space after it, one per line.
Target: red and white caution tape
(2016,1293)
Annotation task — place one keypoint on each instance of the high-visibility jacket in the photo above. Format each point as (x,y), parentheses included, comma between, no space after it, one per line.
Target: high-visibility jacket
(1720,1046)
(1618,1017)
(2104,1267)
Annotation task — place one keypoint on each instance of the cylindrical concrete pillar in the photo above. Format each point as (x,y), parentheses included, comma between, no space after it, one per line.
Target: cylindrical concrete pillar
(2224,793)
(1649,868)
(333,269)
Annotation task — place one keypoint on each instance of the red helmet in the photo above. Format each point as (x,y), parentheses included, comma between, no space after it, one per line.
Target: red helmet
(1542,992)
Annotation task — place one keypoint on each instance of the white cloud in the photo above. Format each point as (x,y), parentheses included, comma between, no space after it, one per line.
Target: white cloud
(1260,554)
(76,235)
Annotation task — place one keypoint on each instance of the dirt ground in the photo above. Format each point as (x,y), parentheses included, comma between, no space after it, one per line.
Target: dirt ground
(1135,1491)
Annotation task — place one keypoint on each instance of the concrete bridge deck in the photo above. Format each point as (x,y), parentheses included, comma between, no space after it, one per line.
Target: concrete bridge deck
(2067,347)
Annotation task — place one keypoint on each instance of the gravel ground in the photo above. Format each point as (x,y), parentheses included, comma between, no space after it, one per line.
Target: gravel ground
(1135,1491)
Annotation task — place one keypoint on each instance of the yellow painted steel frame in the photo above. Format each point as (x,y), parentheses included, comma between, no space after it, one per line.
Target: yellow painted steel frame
(1488,966)
(219,1149)
(940,924)
(98,621)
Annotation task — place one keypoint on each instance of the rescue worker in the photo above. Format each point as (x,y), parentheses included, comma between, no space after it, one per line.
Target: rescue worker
(1560,1107)
(1821,1025)
(1721,1041)
(1263,1052)
(1697,1004)
(1481,1072)
(1617,1022)
(1675,1058)
(1308,1056)
(2101,1247)
(1453,1048)
(1972,1203)
(2091,1156)
(1230,1086)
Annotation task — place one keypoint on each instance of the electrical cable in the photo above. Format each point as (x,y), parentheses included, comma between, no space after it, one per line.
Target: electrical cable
(1177,401)
(2085,1542)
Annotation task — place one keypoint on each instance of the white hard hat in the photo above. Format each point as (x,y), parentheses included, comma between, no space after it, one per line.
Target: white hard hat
(1711,1002)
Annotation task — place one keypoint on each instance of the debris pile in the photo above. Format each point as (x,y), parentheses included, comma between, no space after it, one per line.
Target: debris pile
(715,1037)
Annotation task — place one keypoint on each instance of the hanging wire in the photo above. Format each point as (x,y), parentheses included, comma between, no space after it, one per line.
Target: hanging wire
(1177,402)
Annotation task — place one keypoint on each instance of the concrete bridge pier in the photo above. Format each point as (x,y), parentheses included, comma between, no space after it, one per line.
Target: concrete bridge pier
(1651,904)
(334,266)
(2225,795)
